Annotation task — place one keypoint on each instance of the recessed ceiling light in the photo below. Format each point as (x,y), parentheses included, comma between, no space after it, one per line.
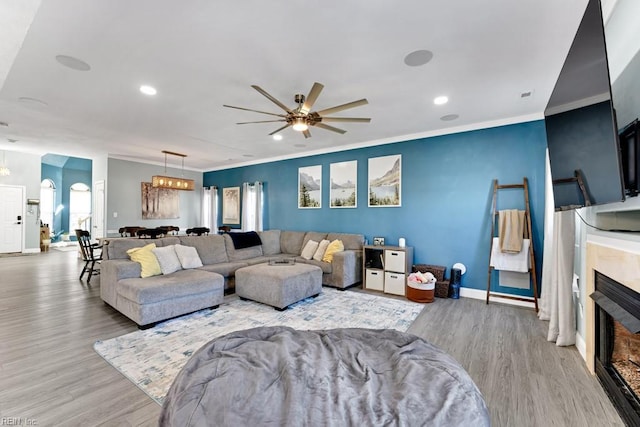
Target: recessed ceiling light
(148,90)
(34,101)
(247,155)
(418,58)
(449,117)
(277,137)
(73,63)
(299,145)
(440,100)
(526,94)
(4,124)
(12,140)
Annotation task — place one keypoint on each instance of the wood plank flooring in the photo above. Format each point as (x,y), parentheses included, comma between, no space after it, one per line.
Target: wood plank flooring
(51,376)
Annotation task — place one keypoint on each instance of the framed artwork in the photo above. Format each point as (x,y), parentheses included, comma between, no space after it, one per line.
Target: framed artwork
(385,185)
(159,203)
(310,187)
(343,181)
(231,205)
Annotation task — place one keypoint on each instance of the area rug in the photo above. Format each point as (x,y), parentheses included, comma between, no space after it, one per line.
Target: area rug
(151,359)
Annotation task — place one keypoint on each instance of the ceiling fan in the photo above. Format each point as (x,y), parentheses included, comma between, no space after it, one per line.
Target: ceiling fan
(301,117)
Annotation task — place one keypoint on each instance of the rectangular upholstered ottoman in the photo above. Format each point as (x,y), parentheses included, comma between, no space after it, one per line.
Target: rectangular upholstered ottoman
(278,285)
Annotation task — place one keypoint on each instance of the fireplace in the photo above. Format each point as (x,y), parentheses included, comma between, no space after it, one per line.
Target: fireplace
(617,345)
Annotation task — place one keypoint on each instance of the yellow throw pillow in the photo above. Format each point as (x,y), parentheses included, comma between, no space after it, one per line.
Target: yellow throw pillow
(335,246)
(147,260)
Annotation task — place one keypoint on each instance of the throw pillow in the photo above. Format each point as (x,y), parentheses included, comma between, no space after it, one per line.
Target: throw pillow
(147,260)
(188,256)
(322,248)
(309,249)
(167,259)
(335,246)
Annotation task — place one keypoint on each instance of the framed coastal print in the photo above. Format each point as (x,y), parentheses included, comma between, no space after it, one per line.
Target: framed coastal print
(231,205)
(385,185)
(343,182)
(310,187)
(159,203)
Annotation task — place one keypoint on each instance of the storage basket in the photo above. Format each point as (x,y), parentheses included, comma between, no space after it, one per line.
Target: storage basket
(438,271)
(415,292)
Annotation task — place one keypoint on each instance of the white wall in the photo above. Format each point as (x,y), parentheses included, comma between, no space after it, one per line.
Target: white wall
(25,171)
(124,198)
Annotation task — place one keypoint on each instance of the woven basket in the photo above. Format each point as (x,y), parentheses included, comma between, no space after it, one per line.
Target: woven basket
(438,271)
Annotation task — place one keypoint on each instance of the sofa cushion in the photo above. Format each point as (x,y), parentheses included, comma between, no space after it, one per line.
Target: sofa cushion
(313,235)
(147,260)
(240,254)
(309,249)
(168,259)
(179,284)
(291,242)
(211,248)
(326,267)
(334,246)
(227,269)
(270,242)
(350,241)
(322,248)
(188,256)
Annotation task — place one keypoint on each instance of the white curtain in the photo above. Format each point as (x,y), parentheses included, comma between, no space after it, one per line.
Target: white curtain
(556,300)
(252,206)
(210,208)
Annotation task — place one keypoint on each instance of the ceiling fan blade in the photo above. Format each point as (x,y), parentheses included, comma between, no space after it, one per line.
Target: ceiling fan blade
(311,98)
(261,121)
(271,98)
(255,111)
(331,128)
(346,119)
(306,133)
(343,107)
(279,129)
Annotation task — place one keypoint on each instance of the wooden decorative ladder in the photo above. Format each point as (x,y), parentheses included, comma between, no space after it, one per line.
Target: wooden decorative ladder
(528,233)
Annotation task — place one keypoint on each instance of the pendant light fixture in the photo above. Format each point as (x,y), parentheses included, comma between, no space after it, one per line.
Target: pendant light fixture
(4,170)
(164,181)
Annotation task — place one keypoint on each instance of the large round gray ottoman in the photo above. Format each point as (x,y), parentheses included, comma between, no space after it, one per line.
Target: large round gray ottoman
(278,285)
(278,376)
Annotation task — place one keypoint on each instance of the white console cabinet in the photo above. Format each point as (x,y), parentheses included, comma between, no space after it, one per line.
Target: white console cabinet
(386,268)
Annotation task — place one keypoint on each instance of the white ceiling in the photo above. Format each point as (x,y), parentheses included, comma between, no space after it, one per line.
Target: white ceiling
(201,54)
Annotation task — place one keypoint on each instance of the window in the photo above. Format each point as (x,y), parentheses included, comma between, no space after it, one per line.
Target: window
(47,201)
(79,207)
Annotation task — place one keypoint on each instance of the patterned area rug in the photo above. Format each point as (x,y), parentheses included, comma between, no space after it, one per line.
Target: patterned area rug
(151,359)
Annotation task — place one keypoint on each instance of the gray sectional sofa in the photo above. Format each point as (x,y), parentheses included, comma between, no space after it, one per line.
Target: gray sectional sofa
(149,300)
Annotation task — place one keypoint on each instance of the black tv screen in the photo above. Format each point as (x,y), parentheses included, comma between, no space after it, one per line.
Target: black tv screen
(582,135)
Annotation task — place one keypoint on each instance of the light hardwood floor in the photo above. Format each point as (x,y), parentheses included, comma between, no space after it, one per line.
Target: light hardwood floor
(50,375)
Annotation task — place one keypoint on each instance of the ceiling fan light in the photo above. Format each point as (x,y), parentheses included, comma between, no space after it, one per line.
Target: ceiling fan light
(300,124)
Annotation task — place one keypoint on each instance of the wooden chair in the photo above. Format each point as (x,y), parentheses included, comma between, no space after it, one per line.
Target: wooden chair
(198,231)
(91,254)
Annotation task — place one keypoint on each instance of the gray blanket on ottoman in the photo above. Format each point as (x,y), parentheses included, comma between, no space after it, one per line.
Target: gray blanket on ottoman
(279,376)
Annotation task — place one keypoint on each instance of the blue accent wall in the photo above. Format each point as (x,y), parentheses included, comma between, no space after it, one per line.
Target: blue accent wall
(75,170)
(447,189)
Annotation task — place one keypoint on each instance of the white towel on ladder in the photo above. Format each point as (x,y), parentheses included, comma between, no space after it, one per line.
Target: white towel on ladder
(508,261)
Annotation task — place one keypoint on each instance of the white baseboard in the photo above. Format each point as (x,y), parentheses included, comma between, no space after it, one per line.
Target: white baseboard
(31,251)
(581,345)
(495,297)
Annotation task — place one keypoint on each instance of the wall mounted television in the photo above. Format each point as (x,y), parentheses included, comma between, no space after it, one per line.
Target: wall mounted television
(580,120)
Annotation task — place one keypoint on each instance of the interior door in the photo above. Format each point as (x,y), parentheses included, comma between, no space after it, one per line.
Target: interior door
(98,210)
(11,218)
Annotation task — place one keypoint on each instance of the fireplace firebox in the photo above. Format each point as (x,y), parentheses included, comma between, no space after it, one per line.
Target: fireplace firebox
(617,345)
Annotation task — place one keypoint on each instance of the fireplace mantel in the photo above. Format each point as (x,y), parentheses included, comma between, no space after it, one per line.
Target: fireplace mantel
(617,258)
